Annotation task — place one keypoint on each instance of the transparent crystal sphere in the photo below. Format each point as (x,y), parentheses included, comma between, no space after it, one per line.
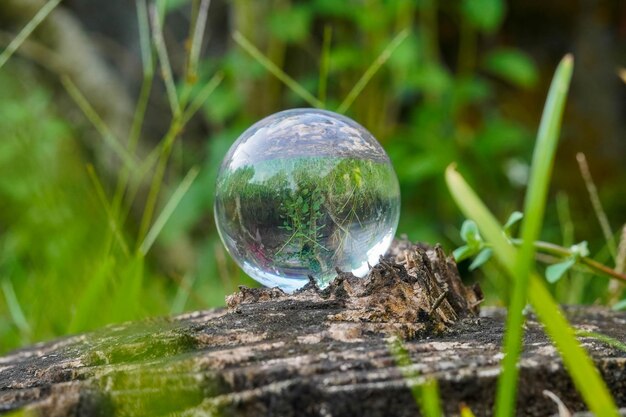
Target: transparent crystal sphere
(302,192)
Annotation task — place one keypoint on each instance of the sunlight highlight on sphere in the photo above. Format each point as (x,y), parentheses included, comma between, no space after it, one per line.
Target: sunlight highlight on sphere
(302,192)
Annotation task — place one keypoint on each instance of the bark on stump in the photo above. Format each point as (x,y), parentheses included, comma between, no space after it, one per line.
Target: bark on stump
(313,353)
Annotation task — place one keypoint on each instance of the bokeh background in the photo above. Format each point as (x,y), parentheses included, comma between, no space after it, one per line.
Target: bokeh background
(466,85)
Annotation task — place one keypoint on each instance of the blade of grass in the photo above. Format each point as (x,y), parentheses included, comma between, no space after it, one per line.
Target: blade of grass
(182,294)
(586,377)
(165,150)
(108,136)
(91,298)
(565,219)
(597,204)
(561,252)
(126,301)
(372,70)
(324,64)
(198,36)
(32,24)
(199,13)
(166,68)
(425,394)
(620,265)
(137,180)
(169,208)
(534,207)
(145,44)
(15,310)
(276,71)
(202,97)
(147,59)
(113,224)
(603,338)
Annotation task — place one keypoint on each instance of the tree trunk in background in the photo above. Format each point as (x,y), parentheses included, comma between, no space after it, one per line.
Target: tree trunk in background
(313,353)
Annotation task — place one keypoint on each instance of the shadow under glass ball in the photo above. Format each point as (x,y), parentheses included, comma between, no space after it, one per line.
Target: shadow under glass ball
(302,192)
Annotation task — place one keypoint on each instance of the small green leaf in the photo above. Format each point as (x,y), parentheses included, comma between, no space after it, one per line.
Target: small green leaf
(555,272)
(620,305)
(482,257)
(513,219)
(463,252)
(580,250)
(513,66)
(470,234)
(305,206)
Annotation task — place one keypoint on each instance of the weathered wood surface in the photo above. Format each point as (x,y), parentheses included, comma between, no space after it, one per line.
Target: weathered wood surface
(315,353)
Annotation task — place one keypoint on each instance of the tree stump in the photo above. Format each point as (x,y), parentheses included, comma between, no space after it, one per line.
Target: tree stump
(312,353)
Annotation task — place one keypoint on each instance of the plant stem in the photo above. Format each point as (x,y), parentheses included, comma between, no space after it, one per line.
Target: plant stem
(155,187)
(27,30)
(596,203)
(534,206)
(560,251)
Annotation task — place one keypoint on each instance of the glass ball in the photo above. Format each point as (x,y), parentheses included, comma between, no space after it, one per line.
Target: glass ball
(303,192)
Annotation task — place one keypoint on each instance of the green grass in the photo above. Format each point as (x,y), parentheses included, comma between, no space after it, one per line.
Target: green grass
(519,265)
(534,207)
(68,236)
(425,391)
(580,366)
(32,24)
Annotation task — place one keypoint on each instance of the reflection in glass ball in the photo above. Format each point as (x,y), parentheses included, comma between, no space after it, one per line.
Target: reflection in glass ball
(302,192)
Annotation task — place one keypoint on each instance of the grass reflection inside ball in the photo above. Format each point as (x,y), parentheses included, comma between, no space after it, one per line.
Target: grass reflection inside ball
(302,192)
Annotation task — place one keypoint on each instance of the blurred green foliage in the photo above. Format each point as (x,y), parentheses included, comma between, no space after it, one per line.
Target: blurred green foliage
(61,268)
(56,273)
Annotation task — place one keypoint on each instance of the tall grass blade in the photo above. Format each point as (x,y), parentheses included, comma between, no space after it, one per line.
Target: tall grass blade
(324,64)
(196,41)
(41,15)
(202,97)
(168,210)
(372,70)
(565,219)
(182,294)
(166,67)
(113,223)
(426,394)
(164,151)
(597,204)
(126,302)
(89,304)
(276,71)
(15,310)
(586,377)
(614,343)
(89,112)
(145,44)
(620,264)
(147,59)
(534,208)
